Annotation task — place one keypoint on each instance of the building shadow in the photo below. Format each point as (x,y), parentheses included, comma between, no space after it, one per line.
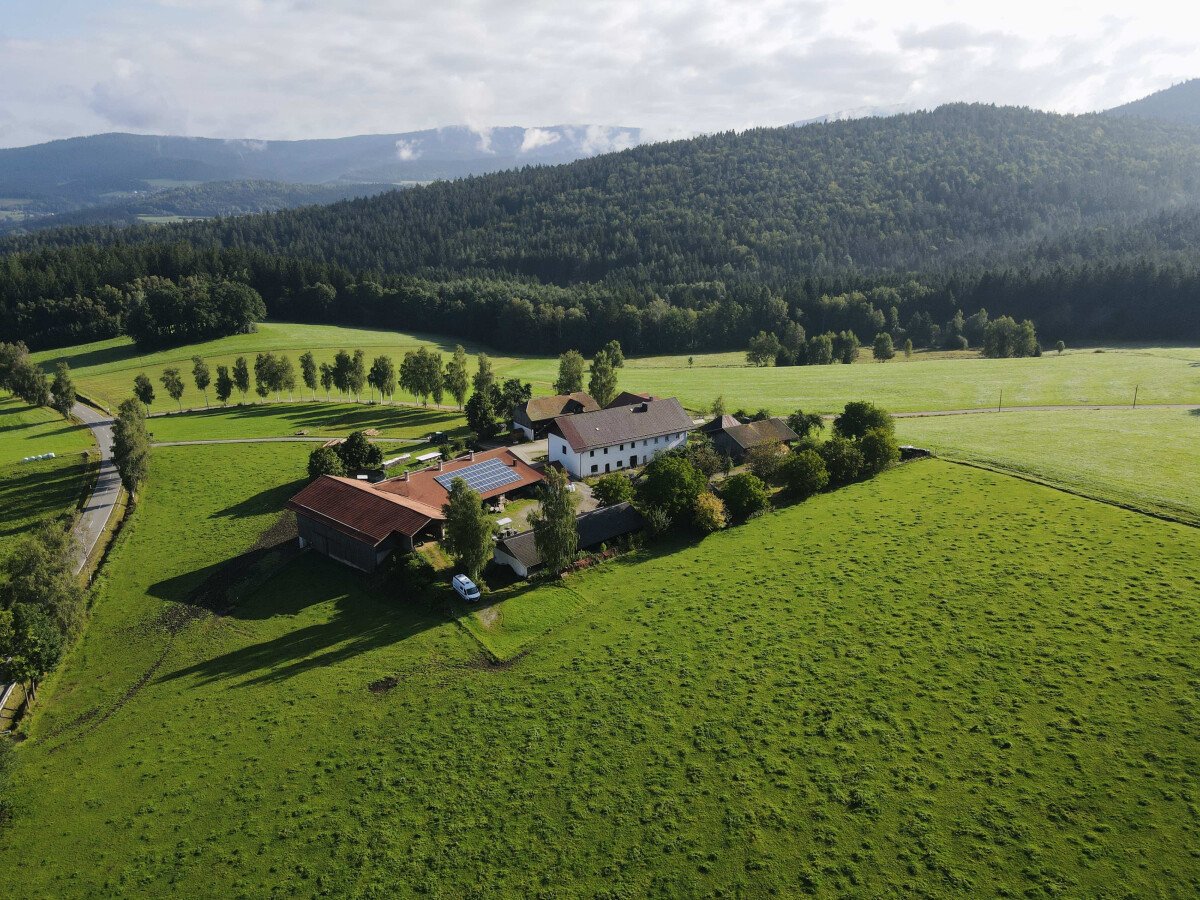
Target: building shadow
(362,620)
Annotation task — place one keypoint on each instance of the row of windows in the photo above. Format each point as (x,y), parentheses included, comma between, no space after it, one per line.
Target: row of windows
(632,444)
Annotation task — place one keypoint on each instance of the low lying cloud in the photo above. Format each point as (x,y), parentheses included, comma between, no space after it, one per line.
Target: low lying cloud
(536,138)
(407,150)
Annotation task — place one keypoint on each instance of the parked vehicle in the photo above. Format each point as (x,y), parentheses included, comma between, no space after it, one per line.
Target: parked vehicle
(465,588)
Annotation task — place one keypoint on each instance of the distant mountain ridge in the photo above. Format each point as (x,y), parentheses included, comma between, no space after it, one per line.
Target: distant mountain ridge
(1179,103)
(69,175)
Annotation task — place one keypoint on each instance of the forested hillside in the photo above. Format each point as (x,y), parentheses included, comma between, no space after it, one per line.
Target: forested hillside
(1084,223)
(1179,103)
(205,200)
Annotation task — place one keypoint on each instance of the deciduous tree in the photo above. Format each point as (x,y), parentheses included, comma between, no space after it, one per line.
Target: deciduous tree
(859,417)
(131,445)
(468,531)
(671,483)
(62,391)
(241,376)
(456,380)
(325,461)
(745,494)
(200,376)
(613,488)
(554,528)
(172,382)
(884,349)
(709,513)
(570,373)
(224,385)
(143,389)
(764,348)
(602,383)
(308,372)
(803,474)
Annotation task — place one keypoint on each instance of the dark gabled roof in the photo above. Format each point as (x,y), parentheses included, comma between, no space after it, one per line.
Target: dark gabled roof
(720,423)
(543,409)
(761,432)
(357,510)
(594,527)
(628,398)
(620,424)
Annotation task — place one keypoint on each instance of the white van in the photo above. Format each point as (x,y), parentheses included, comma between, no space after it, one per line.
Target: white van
(465,588)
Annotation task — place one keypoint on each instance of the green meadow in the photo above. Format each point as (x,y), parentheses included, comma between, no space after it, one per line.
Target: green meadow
(409,423)
(941,682)
(30,492)
(1145,458)
(105,370)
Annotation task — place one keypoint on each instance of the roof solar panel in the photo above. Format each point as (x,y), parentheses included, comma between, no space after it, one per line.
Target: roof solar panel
(481,477)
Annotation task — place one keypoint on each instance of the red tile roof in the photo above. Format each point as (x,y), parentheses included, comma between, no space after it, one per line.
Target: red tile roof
(423,488)
(356,509)
(371,512)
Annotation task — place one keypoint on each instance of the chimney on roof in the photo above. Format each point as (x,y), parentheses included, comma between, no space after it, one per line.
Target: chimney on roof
(513,461)
(406,475)
(641,407)
(471,455)
(439,468)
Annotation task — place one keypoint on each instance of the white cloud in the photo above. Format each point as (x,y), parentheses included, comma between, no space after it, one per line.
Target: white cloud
(407,150)
(536,138)
(322,68)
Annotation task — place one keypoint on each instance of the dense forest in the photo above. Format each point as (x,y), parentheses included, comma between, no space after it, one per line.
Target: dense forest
(1085,224)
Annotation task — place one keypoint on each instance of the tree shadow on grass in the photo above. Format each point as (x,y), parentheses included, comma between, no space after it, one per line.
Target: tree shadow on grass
(37,493)
(361,620)
(331,415)
(89,358)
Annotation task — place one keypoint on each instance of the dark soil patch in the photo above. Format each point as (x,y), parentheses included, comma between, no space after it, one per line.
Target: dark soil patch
(487,663)
(383,685)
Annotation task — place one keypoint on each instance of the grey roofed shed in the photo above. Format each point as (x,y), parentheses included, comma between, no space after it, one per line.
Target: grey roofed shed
(594,527)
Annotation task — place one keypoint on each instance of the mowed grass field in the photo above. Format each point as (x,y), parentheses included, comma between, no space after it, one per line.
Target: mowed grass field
(943,682)
(105,370)
(30,492)
(406,423)
(1146,458)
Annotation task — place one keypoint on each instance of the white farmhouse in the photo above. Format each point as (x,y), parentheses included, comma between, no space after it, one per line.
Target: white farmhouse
(619,437)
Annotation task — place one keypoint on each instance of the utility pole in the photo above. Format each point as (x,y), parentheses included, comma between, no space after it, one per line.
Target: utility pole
(1135,390)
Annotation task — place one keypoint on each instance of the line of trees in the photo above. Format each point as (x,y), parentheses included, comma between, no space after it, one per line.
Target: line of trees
(42,603)
(20,376)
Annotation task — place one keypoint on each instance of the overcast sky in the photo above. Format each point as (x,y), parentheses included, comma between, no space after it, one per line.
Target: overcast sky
(325,68)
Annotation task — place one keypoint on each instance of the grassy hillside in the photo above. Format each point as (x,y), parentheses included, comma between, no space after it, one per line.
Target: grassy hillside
(30,492)
(1145,458)
(929,381)
(852,695)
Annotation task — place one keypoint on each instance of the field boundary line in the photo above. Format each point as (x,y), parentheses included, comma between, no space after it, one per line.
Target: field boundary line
(1000,469)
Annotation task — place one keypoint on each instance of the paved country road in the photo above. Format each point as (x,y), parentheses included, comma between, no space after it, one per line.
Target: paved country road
(100,505)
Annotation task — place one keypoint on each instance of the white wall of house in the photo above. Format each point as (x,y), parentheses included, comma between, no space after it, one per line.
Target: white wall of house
(614,458)
(528,432)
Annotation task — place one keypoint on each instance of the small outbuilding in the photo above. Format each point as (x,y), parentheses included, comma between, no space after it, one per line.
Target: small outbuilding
(519,551)
(534,417)
(733,438)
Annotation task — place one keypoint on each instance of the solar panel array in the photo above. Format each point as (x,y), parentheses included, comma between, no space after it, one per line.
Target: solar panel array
(481,477)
